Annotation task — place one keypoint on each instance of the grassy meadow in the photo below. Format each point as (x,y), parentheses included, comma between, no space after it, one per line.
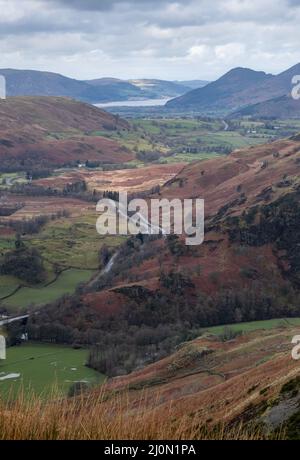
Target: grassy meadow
(254,326)
(172,138)
(39,368)
(69,248)
(65,284)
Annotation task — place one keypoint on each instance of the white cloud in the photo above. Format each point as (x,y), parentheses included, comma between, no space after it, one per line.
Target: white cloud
(230,51)
(198,52)
(176,39)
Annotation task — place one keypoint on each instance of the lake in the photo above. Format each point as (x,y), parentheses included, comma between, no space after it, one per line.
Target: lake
(143,103)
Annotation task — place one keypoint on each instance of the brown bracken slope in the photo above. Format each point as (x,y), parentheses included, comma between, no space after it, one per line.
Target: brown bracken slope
(214,381)
(252,216)
(54,131)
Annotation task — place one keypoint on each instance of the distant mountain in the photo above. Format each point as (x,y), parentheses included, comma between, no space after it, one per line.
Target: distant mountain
(229,92)
(113,89)
(138,89)
(156,89)
(280,107)
(235,90)
(37,83)
(193,84)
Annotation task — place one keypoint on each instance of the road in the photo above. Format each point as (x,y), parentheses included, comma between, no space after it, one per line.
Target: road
(12,320)
(226,125)
(145,226)
(10,181)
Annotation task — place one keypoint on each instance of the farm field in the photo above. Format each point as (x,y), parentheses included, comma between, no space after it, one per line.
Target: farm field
(174,138)
(8,284)
(160,142)
(187,157)
(34,206)
(69,245)
(38,368)
(35,296)
(72,242)
(204,136)
(255,325)
(171,141)
(9,179)
(69,248)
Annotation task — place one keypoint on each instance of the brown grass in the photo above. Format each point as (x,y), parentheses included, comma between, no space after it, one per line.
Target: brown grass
(93,418)
(123,180)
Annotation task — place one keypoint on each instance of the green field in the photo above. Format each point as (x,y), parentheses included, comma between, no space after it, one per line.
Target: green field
(187,157)
(70,245)
(72,242)
(255,325)
(41,368)
(35,296)
(173,137)
(9,179)
(8,284)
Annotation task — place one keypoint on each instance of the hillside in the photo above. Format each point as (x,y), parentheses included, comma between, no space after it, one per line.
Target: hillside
(237,89)
(158,293)
(283,107)
(139,88)
(113,89)
(246,388)
(38,83)
(150,316)
(50,131)
(249,379)
(229,91)
(156,89)
(194,84)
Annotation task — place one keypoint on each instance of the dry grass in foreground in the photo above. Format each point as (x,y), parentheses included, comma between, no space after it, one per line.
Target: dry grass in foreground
(92,418)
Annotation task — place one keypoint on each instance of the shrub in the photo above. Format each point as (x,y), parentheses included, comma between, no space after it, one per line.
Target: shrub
(25,264)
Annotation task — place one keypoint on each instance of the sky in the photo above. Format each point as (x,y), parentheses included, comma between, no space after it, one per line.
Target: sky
(167,39)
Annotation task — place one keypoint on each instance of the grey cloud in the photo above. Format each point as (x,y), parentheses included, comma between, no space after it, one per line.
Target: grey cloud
(156,38)
(102,5)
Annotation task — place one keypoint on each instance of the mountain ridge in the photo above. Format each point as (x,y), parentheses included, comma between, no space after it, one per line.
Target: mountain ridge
(237,89)
(41,83)
(282,107)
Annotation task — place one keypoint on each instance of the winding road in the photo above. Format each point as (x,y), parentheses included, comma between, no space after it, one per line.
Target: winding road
(226,125)
(10,320)
(145,226)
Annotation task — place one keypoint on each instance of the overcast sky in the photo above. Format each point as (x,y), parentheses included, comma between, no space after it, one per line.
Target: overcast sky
(169,39)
